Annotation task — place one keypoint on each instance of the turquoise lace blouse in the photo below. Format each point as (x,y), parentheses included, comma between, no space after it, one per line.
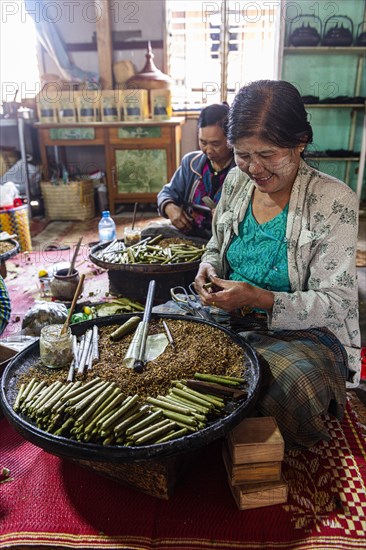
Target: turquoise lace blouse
(258,255)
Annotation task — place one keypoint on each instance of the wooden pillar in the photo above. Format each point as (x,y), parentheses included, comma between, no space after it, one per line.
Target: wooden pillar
(104,43)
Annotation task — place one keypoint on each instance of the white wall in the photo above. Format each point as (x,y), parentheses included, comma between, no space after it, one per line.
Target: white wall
(76,22)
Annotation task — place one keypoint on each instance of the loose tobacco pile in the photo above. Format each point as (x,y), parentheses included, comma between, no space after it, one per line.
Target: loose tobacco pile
(112,404)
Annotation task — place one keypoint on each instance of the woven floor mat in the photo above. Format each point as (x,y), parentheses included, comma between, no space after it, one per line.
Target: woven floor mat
(53,502)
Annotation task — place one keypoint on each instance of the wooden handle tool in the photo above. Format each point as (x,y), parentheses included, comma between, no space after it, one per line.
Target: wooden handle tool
(73,304)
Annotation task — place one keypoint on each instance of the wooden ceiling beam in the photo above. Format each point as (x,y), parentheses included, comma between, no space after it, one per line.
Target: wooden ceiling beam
(104,43)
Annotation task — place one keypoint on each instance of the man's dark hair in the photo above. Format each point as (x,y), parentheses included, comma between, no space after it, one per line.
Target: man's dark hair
(214,115)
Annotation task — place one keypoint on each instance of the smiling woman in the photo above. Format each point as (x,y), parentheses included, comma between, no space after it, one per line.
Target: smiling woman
(18,54)
(283,251)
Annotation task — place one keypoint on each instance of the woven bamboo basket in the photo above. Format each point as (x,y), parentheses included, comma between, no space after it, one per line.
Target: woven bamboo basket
(15,220)
(70,201)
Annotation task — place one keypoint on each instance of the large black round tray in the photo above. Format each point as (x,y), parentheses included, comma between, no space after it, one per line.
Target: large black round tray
(68,448)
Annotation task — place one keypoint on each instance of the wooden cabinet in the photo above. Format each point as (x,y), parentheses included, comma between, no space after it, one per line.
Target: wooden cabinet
(140,157)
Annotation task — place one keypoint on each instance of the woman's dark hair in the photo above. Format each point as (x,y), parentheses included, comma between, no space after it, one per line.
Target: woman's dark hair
(273,110)
(214,115)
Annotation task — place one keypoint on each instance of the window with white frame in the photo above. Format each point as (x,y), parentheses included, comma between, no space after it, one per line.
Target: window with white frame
(19,72)
(215,47)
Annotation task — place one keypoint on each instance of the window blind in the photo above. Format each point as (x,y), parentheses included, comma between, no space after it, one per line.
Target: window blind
(214,48)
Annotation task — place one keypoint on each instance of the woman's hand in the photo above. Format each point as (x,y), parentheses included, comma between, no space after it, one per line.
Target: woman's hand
(178,217)
(230,295)
(205,273)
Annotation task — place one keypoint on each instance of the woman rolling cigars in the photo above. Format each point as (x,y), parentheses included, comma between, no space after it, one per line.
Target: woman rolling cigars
(283,253)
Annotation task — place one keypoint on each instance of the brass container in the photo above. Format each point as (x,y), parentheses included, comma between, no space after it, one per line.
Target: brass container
(150,77)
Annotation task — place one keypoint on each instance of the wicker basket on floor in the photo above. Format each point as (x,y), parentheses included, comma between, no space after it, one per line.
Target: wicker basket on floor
(69,201)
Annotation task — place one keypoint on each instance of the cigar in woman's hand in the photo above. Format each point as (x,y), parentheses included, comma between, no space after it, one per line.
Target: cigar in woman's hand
(206,286)
(211,286)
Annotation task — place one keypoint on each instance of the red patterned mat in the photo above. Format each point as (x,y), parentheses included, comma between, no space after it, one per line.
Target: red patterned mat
(52,502)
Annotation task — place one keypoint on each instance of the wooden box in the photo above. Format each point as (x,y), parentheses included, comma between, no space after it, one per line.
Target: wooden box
(250,473)
(6,354)
(256,495)
(256,440)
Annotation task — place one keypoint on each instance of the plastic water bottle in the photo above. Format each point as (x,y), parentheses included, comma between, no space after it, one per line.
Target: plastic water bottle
(106,227)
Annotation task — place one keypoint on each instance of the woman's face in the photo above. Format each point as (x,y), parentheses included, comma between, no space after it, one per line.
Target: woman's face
(213,143)
(271,168)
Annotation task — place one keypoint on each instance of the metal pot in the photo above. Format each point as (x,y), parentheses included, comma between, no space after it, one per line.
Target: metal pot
(340,34)
(361,34)
(305,35)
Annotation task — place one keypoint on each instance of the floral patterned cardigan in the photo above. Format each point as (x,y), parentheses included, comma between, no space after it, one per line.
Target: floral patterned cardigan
(321,233)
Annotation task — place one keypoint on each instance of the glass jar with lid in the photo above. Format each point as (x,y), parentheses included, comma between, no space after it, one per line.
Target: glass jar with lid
(55,348)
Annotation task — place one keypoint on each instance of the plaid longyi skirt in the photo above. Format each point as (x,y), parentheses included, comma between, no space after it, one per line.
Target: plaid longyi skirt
(304,375)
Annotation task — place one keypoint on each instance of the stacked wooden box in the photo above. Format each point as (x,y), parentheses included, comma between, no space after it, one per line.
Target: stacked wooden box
(253,452)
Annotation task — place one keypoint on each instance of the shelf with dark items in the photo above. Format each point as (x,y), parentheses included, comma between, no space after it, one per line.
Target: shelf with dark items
(324,50)
(308,36)
(358,106)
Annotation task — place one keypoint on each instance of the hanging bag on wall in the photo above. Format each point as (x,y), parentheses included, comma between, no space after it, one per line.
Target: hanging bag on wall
(338,31)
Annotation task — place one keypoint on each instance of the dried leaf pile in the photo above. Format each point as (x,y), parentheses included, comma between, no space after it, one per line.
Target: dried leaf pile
(199,348)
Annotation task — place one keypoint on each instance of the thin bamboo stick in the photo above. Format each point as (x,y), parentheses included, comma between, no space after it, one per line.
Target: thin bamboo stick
(73,304)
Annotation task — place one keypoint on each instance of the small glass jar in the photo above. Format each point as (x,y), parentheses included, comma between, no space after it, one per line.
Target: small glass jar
(132,236)
(55,348)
